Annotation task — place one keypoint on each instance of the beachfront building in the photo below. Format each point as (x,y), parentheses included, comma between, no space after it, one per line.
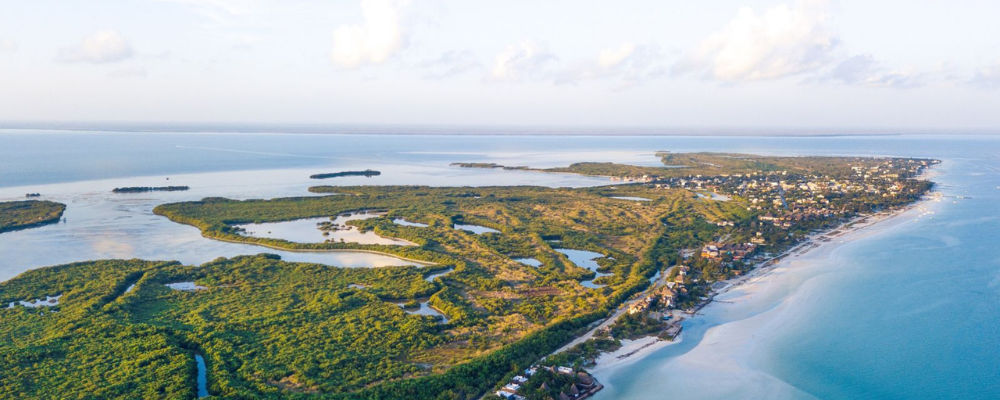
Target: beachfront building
(667,297)
(642,304)
(510,394)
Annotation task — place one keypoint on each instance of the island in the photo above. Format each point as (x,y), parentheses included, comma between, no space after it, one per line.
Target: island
(605,267)
(16,215)
(366,173)
(488,165)
(143,189)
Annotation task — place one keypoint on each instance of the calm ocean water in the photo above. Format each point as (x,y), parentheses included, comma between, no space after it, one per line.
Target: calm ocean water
(909,311)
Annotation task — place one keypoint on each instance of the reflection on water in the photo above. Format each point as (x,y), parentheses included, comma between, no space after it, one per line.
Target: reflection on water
(713,196)
(585,259)
(426,309)
(322,229)
(529,261)
(188,286)
(48,301)
(401,221)
(630,198)
(479,230)
(202,378)
(432,277)
(98,224)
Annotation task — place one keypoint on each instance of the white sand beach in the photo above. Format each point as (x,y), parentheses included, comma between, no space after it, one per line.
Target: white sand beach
(742,315)
(631,351)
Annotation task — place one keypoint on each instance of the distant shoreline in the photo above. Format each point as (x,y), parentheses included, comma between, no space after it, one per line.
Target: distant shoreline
(471,130)
(368,173)
(143,189)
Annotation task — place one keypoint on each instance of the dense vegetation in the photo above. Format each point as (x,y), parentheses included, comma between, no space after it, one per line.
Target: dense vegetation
(141,189)
(490,299)
(269,328)
(266,328)
(366,173)
(297,326)
(16,215)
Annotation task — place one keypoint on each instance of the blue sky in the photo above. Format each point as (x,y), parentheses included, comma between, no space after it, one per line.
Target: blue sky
(892,64)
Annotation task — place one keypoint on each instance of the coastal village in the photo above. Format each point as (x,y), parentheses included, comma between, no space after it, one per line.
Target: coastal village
(783,211)
(568,383)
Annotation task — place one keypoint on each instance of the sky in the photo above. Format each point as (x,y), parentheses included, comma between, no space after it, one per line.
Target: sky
(810,64)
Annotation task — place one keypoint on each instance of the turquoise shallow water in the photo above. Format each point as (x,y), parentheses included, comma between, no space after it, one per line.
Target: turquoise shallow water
(907,311)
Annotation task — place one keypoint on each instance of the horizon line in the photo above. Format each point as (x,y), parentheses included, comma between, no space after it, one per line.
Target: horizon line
(474,129)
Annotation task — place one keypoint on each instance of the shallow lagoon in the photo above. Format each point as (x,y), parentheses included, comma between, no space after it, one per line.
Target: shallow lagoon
(426,309)
(529,261)
(713,196)
(585,259)
(403,222)
(187,286)
(306,230)
(98,224)
(48,301)
(479,230)
(632,198)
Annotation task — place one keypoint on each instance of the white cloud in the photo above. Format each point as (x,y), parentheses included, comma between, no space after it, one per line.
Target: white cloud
(105,46)
(632,64)
(7,46)
(627,63)
(864,70)
(523,61)
(451,63)
(782,41)
(987,77)
(374,40)
(609,58)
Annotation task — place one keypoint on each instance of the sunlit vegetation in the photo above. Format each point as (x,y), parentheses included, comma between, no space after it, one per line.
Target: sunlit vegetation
(261,324)
(16,215)
(491,301)
(269,328)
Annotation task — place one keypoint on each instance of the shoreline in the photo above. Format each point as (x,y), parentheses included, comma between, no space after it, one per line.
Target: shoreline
(287,175)
(634,350)
(638,349)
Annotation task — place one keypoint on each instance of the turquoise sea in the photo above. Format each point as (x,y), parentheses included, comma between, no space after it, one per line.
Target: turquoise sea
(905,309)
